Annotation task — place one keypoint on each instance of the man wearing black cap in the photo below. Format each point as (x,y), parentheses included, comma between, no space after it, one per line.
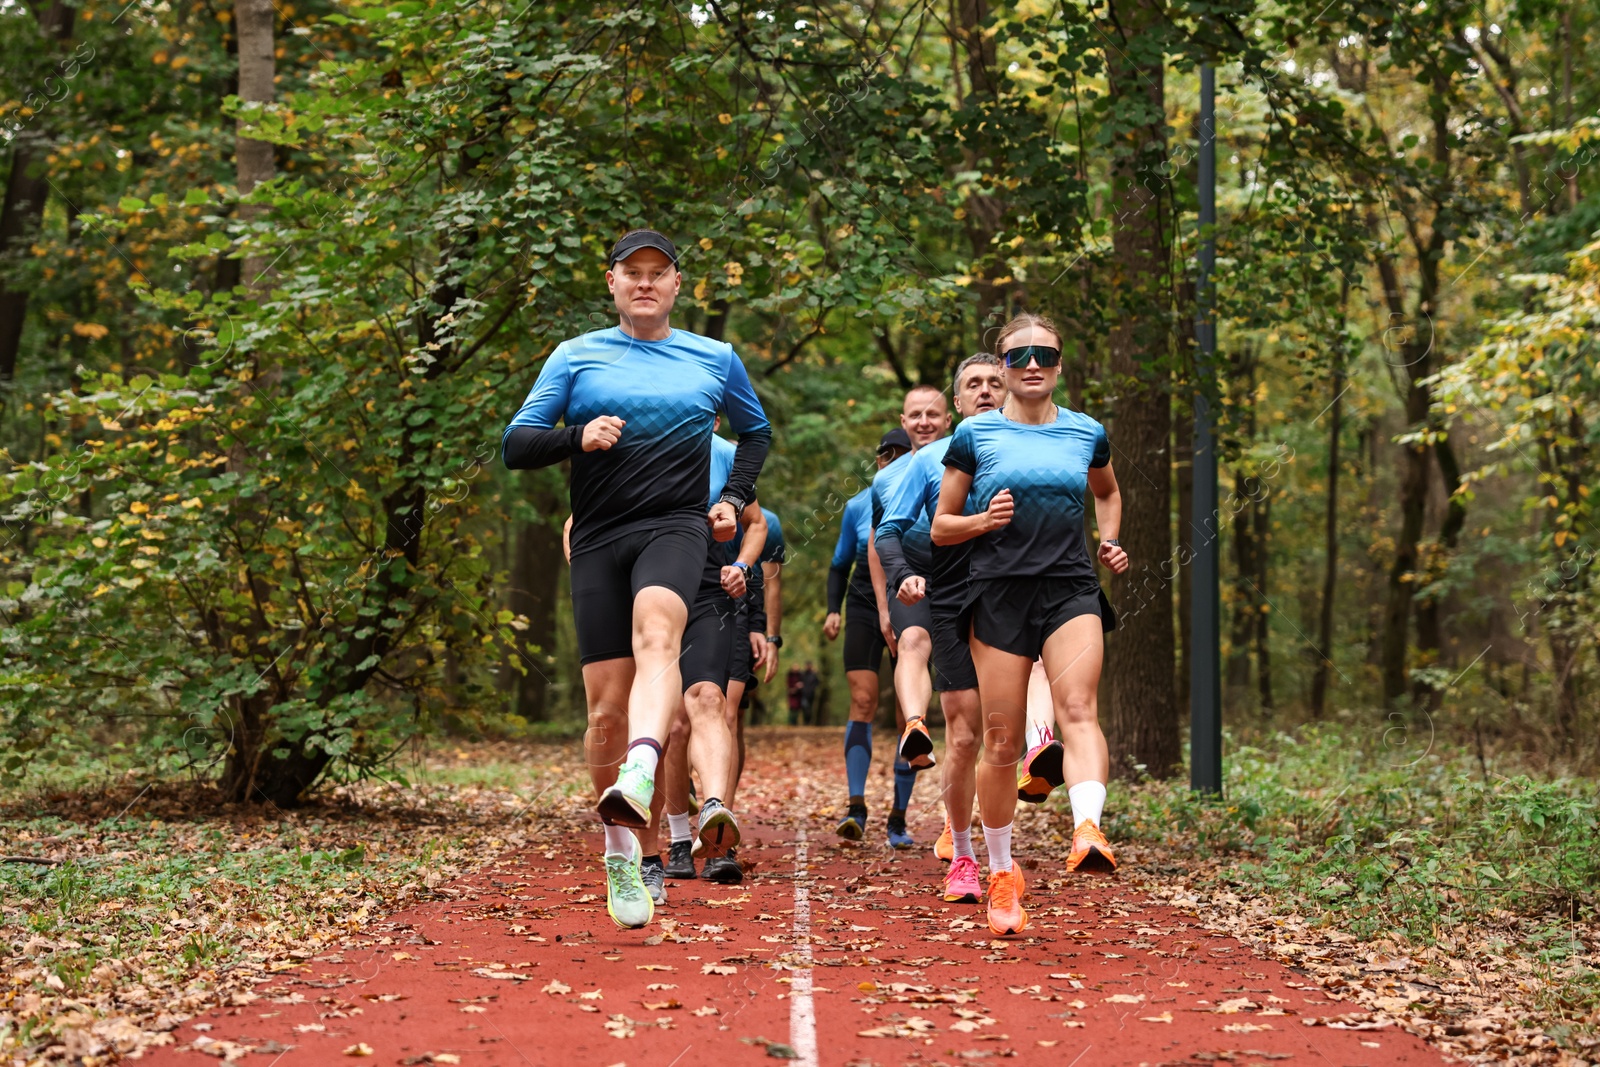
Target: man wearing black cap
(636,403)
(864,642)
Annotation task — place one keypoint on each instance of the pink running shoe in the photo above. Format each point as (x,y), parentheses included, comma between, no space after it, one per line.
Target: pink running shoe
(961,884)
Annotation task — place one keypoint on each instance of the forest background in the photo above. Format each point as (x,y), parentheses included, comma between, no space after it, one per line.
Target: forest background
(273,277)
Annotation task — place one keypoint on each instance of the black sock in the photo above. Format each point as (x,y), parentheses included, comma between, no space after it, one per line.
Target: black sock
(654,856)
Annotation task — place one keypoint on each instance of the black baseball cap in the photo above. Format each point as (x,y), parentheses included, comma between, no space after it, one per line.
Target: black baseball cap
(895,438)
(633,240)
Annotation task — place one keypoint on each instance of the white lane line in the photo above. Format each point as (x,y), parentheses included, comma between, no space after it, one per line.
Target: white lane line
(802,1014)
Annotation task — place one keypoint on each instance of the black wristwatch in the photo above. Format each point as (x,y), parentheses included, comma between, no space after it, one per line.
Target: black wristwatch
(729,498)
(775,640)
(1112,541)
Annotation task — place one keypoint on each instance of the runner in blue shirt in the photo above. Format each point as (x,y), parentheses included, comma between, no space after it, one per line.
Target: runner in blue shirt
(636,404)
(849,579)
(1014,485)
(925,417)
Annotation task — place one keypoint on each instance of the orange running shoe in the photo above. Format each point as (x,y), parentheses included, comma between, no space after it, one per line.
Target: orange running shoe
(945,847)
(1090,850)
(916,744)
(1005,908)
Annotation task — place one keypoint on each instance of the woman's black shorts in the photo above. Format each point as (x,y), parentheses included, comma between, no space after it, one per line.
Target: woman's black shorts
(606,579)
(1017,615)
(863,641)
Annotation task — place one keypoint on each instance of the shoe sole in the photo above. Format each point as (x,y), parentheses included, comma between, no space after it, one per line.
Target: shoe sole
(1025,794)
(616,808)
(850,830)
(914,746)
(1048,766)
(1095,862)
(1008,933)
(963,898)
(717,834)
(902,847)
(681,874)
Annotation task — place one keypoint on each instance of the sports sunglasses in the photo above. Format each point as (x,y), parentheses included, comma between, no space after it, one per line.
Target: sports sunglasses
(1047,357)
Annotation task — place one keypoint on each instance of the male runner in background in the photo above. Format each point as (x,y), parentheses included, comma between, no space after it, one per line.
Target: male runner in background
(904,545)
(636,404)
(925,418)
(751,652)
(864,642)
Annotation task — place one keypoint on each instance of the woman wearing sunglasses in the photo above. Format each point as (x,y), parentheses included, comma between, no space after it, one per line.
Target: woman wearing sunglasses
(1014,485)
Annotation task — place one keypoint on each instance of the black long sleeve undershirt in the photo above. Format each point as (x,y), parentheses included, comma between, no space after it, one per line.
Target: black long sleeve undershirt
(748,458)
(893,557)
(838,582)
(529,447)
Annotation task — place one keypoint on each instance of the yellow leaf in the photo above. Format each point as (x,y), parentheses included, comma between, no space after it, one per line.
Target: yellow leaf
(92,330)
(637,94)
(362,1049)
(138,507)
(724,118)
(1561,538)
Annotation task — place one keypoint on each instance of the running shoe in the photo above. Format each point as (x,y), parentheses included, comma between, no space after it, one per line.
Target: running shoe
(627,801)
(1090,850)
(945,847)
(654,877)
(898,837)
(1005,904)
(853,827)
(916,746)
(694,801)
(961,885)
(1040,771)
(627,900)
(724,869)
(680,860)
(719,831)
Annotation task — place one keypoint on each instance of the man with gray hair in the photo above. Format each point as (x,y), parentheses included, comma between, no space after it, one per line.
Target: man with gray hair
(902,535)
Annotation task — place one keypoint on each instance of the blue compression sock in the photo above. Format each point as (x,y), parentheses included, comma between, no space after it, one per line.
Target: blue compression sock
(857,755)
(905,779)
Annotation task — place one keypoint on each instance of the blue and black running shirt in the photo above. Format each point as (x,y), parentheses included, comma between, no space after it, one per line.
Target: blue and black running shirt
(850,553)
(1047,470)
(667,393)
(904,528)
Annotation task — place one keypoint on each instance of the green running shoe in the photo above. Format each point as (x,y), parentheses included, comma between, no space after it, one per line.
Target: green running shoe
(627,899)
(627,802)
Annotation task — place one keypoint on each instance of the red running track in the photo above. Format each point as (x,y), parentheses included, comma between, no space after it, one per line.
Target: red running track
(842,954)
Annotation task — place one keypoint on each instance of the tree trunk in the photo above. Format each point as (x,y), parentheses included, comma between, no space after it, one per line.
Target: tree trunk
(535,574)
(985,213)
(255,20)
(27,187)
(1330,539)
(1245,489)
(1263,518)
(1145,728)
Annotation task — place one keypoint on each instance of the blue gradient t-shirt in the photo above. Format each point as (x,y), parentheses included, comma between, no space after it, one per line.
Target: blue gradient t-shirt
(908,509)
(1047,470)
(667,393)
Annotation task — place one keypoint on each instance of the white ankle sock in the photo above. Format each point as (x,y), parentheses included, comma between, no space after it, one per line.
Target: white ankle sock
(999,845)
(1088,802)
(619,841)
(963,842)
(646,756)
(679,825)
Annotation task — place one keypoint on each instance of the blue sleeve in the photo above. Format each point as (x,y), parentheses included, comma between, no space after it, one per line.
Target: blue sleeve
(904,505)
(749,421)
(532,438)
(961,454)
(1102,447)
(844,553)
(774,551)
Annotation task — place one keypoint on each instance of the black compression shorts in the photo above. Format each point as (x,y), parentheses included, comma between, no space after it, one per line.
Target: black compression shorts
(605,581)
(902,617)
(706,641)
(740,661)
(1017,615)
(952,656)
(863,641)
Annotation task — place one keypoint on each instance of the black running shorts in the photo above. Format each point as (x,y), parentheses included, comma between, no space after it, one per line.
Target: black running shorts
(706,641)
(903,617)
(606,579)
(1017,615)
(863,641)
(952,656)
(740,661)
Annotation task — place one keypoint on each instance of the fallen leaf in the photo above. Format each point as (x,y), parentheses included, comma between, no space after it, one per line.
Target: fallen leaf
(1235,1006)
(475,1009)
(1246,1028)
(661,1005)
(703,1012)
(362,1049)
(556,988)
(719,968)
(654,967)
(593,994)
(1125,998)
(1047,1044)
(310,1028)
(1164,1017)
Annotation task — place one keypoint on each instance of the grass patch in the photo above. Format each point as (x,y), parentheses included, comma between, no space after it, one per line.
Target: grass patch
(152,903)
(1499,872)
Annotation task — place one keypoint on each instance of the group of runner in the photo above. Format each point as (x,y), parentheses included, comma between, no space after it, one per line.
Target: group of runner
(967,554)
